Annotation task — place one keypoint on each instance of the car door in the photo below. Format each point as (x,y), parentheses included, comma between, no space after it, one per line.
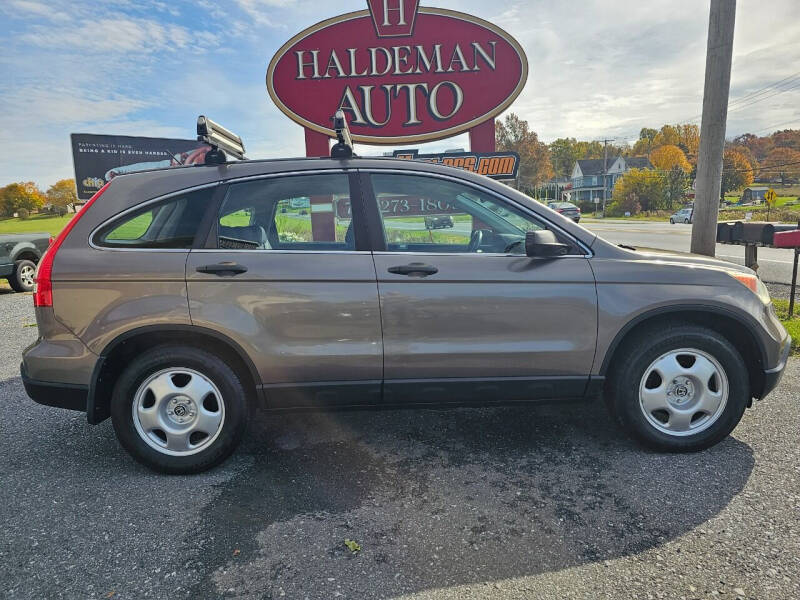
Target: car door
(466,314)
(287,275)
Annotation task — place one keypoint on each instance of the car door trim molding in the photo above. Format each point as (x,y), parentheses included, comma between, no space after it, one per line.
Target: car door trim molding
(587,250)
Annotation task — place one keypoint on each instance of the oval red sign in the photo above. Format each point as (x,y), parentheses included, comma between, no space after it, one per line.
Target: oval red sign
(420,76)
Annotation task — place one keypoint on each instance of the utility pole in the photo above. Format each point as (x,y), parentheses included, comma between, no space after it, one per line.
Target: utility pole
(605,171)
(719,52)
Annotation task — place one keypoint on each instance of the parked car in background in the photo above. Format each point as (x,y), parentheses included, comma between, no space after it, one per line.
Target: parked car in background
(567,209)
(177,302)
(684,215)
(443,222)
(19,255)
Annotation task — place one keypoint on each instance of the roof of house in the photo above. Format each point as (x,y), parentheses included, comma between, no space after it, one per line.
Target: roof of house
(638,162)
(757,188)
(594,166)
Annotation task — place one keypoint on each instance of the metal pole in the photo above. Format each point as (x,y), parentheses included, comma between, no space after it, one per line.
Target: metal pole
(794,283)
(712,130)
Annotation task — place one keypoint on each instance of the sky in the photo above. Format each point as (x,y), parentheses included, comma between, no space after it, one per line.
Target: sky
(598,69)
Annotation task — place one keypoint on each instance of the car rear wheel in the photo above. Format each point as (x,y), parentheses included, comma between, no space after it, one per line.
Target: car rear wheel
(679,389)
(686,221)
(22,279)
(179,410)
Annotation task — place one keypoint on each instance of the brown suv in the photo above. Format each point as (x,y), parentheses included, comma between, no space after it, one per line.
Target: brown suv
(179,299)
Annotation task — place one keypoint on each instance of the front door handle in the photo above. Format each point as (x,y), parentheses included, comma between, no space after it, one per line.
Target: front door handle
(223,269)
(414,269)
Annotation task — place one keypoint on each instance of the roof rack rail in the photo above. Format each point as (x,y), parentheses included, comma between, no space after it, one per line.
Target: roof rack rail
(343,148)
(222,141)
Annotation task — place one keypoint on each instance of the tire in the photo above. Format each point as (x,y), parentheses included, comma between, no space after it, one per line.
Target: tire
(686,221)
(21,280)
(214,409)
(671,221)
(697,415)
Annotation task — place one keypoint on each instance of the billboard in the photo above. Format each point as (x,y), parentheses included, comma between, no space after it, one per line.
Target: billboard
(99,158)
(401,73)
(497,165)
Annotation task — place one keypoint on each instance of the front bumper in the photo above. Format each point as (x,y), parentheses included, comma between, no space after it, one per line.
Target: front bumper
(772,377)
(60,395)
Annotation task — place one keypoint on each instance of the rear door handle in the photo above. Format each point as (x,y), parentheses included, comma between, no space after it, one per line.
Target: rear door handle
(414,269)
(223,269)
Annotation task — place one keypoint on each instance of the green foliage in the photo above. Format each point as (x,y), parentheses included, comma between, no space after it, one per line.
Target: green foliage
(737,172)
(23,213)
(643,186)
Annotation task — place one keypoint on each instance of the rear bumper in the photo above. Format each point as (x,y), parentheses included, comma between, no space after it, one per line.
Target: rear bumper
(772,377)
(60,395)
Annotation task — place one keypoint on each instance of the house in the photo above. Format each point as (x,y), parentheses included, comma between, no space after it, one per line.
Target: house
(587,176)
(753,194)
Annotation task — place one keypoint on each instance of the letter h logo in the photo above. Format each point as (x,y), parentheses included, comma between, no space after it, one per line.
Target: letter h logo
(393,18)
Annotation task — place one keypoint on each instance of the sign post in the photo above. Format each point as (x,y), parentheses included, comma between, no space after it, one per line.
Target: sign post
(770,197)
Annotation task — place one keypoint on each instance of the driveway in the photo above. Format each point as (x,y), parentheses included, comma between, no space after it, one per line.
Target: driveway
(538,502)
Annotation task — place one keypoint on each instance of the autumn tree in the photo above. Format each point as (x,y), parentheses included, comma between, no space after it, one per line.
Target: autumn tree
(514,135)
(16,196)
(736,171)
(782,163)
(748,154)
(689,135)
(62,193)
(788,138)
(563,154)
(644,186)
(668,156)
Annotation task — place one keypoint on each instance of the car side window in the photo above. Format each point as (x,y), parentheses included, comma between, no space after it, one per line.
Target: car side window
(172,223)
(429,214)
(301,212)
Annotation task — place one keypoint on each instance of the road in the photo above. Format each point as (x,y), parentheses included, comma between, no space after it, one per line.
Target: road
(502,503)
(775,265)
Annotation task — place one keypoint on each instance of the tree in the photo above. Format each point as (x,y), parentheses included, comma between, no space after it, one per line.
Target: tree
(646,186)
(788,138)
(748,154)
(62,193)
(736,171)
(783,163)
(676,182)
(667,135)
(669,156)
(15,196)
(563,154)
(689,135)
(514,135)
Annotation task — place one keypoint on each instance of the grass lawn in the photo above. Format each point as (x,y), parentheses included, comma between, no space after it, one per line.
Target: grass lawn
(49,223)
(792,325)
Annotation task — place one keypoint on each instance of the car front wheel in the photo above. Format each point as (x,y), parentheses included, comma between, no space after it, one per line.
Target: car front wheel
(22,279)
(671,221)
(679,389)
(179,410)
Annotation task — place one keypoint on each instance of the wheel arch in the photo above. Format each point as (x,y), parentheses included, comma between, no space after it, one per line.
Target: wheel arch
(736,326)
(27,254)
(117,353)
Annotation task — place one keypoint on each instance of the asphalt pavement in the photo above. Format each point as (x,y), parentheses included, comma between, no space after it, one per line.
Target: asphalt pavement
(540,502)
(775,264)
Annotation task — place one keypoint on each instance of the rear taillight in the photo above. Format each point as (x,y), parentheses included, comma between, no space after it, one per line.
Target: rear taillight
(43,291)
(578,209)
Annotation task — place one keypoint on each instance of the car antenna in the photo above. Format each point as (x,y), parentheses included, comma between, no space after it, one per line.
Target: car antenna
(343,148)
(222,141)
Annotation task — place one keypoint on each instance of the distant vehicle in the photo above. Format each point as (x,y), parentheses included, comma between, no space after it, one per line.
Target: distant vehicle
(568,209)
(438,222)
(19,255)
(684,215)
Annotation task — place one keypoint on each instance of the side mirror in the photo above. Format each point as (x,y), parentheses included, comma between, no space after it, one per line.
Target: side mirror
(544,243)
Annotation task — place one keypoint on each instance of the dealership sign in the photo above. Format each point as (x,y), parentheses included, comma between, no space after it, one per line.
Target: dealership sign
(402,73)
(497,165)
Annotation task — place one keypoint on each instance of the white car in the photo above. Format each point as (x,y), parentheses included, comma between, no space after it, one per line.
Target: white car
(684,215)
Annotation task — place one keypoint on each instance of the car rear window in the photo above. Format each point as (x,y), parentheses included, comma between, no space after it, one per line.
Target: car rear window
(171,223)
